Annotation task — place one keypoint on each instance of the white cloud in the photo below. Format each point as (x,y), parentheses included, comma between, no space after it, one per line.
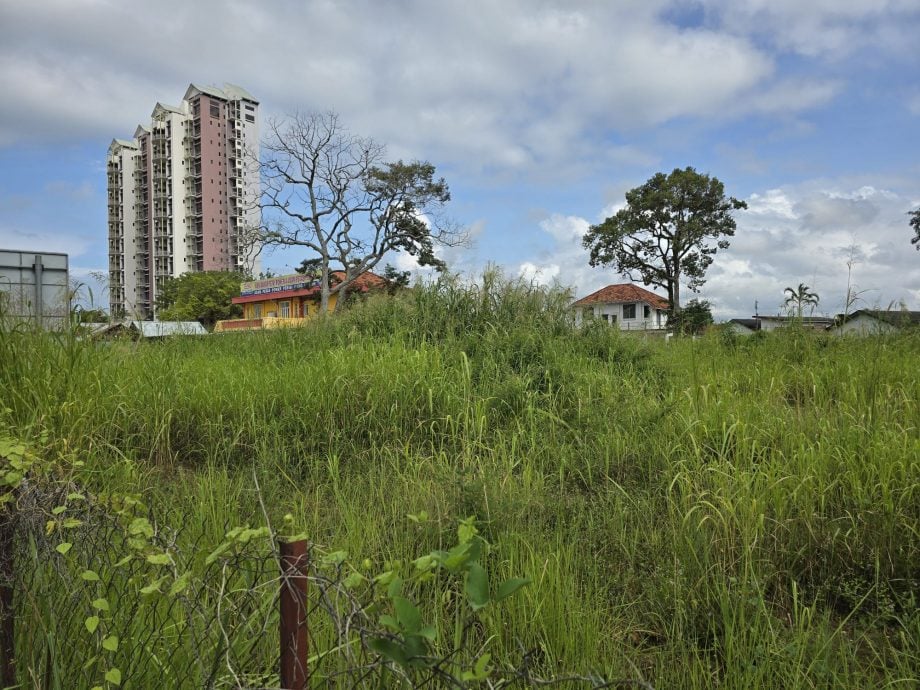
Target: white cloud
(540,275)
(913,104)
(498,86)
(822,28)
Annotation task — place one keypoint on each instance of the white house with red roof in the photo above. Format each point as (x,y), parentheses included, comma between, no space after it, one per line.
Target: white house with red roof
(627,306)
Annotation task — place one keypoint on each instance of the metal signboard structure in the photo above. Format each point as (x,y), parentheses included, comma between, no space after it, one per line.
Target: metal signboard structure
(35,286)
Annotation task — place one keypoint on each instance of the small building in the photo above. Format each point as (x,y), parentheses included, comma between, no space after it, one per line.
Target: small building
(137,330)
(815,323)
(744,326)
(626,306)
(875,321)
(289,300)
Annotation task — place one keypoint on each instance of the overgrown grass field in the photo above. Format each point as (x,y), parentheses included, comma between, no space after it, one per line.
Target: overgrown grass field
(718,512)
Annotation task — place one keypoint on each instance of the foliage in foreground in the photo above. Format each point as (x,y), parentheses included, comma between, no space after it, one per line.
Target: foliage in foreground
(723,511)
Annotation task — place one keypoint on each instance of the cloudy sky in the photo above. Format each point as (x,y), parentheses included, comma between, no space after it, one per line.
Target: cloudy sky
(539,113)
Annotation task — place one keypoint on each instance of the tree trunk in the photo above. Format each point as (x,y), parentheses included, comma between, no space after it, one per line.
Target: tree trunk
(343,291)
(324,290)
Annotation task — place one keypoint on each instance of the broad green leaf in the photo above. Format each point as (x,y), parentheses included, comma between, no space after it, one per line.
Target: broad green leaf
(395,587)
(75,497)
(101,604)
(180,584)
(110,643)
(477,586)
(509,587)
(89,576)
(158,559)
(63,547)
(71,523)
(335,558)
(389,649)
(408,615)
(123,561)
(140,527)
(389,622)
(91,623)
(467,530)
(429,632)
(58,510)
(353,580)
(425,562)
(113,675)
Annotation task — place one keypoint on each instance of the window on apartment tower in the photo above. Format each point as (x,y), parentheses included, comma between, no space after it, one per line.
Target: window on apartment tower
(250,118)
(215,109)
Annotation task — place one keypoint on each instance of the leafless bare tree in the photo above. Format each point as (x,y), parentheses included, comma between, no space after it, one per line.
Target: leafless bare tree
(331,192)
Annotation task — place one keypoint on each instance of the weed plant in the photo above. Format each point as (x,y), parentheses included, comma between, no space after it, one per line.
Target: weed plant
(724,511)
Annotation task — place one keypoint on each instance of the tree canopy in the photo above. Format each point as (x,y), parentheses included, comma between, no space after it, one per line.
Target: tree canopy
(331,192)
(668,232)
(204,297)
(693,318)
(915,224)
(799,298)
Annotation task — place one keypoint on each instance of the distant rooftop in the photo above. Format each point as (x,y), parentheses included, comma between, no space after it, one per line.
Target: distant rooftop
(623,292)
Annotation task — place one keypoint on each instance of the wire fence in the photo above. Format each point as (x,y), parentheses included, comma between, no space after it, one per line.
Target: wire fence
(98,593)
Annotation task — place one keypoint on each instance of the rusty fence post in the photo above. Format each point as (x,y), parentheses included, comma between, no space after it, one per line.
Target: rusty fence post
(294,635)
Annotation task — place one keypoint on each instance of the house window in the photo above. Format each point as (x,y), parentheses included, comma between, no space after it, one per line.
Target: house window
(647,311)
(613,319)
(588,312)
(257,311)
(629,311)
(285,309)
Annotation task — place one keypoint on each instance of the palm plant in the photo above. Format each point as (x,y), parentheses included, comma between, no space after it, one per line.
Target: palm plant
(800,297)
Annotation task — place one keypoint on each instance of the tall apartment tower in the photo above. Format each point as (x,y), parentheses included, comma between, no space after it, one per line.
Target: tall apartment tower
(182,194)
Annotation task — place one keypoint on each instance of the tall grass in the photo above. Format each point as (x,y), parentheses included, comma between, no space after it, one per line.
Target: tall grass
(721,511)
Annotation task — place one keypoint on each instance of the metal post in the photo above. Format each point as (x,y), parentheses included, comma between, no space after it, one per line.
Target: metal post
(294,636)
(39,305)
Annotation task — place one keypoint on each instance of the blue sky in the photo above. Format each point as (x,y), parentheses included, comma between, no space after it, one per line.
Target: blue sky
(540,114)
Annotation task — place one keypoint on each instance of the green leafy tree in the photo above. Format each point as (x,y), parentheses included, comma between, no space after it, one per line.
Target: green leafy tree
(669,231)
(396,279)
(800,297)
(331,192)
(915,224)
(693,319)
(204,297)
(309,267)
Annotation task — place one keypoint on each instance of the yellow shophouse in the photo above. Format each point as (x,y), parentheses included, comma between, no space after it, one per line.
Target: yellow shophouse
(289,300)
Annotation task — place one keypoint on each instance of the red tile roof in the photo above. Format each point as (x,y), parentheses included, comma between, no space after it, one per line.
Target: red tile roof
(624,292)
(365,282)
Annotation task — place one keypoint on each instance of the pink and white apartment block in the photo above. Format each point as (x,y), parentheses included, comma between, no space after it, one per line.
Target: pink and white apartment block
(182,195)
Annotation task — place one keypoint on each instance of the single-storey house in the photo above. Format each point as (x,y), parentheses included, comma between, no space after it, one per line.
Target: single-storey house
(816,323)
(145,329)
(289,300)
(744,326)
(873,321)
(626,306)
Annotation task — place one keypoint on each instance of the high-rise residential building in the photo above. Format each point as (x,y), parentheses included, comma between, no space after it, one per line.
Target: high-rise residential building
(182,195)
